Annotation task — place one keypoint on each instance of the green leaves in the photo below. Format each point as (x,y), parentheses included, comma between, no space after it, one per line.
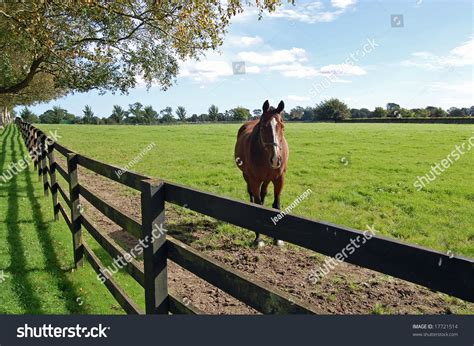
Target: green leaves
(109,45)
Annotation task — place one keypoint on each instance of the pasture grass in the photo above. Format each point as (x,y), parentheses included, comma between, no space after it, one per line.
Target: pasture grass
(36,252)
(360,174)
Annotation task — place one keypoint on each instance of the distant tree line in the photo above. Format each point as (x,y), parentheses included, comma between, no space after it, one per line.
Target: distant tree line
(335,109)
(332,109)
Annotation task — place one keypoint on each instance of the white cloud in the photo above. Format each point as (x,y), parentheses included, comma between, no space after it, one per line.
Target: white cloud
(243,41)
(298,70)
(343,69)
(342,3)
(462,55)
(298,98)
(313,12)
(295,70)
(206,71)
(252,69)
(291,63)
(274,57)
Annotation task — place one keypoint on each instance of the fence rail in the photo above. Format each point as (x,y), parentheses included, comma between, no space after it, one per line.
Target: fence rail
(432,269)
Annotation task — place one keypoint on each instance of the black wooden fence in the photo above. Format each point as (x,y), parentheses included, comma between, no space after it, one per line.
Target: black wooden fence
(453,275)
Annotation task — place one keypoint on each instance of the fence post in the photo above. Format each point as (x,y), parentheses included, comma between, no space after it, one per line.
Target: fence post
(35,148)
(39,150)
(155,256)
(30,139)
(75,210)
(44,165)
(27,136)
(54,181)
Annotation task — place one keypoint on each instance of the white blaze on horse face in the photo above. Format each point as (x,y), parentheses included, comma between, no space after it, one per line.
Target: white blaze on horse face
(275,160)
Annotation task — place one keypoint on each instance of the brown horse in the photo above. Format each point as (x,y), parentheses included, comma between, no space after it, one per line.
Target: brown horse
(261,153)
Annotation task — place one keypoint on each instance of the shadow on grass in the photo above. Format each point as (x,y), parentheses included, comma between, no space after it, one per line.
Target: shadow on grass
(5,135)
(22,285)
(53,266)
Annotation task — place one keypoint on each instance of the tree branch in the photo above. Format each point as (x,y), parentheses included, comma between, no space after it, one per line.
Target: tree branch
(13,89)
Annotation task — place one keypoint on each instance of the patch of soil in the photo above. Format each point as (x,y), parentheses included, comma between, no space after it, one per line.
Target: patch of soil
(348,289)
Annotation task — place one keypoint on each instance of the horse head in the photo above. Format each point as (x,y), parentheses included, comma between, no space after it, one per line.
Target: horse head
(271,129)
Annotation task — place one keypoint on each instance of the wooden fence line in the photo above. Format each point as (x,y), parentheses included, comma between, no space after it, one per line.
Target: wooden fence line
(432,269)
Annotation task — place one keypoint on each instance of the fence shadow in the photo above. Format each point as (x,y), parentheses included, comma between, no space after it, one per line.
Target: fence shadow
(22,285)
(42,228)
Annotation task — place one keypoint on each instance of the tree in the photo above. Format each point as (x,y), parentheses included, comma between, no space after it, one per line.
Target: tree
(54,116)
(436,112)
(167,115)
(393,109)
(332,109)
(309,114)
(135,114)
(213,112)
(421,112)
(379,112)
(28,116)
(296,113)
(14,63)
(194,118)
(240,113)
(88,115)
(150,115)
(355,113)
(100,44)
(364,113)
(228,116)
(118,114)
(456,112)
(204,117)
(465,111)
(406,113)
(41,89)
(181,113)
(257,112)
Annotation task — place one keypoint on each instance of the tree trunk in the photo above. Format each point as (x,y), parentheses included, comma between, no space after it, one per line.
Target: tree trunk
(2,120)
(4,117)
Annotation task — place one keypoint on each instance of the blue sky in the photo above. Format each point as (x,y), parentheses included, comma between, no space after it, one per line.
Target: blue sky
(356,51)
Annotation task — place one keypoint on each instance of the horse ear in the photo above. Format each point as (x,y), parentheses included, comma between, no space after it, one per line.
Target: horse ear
(281,107)
(265,107)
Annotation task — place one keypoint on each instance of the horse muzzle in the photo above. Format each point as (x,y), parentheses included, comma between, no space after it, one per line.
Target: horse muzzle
(277,164)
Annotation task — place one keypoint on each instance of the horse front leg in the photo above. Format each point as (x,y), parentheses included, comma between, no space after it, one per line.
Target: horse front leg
(278,187)
(263,191)
(254,190)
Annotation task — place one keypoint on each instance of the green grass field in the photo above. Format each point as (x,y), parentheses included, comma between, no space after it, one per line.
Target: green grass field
(360,174)
(36,252)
